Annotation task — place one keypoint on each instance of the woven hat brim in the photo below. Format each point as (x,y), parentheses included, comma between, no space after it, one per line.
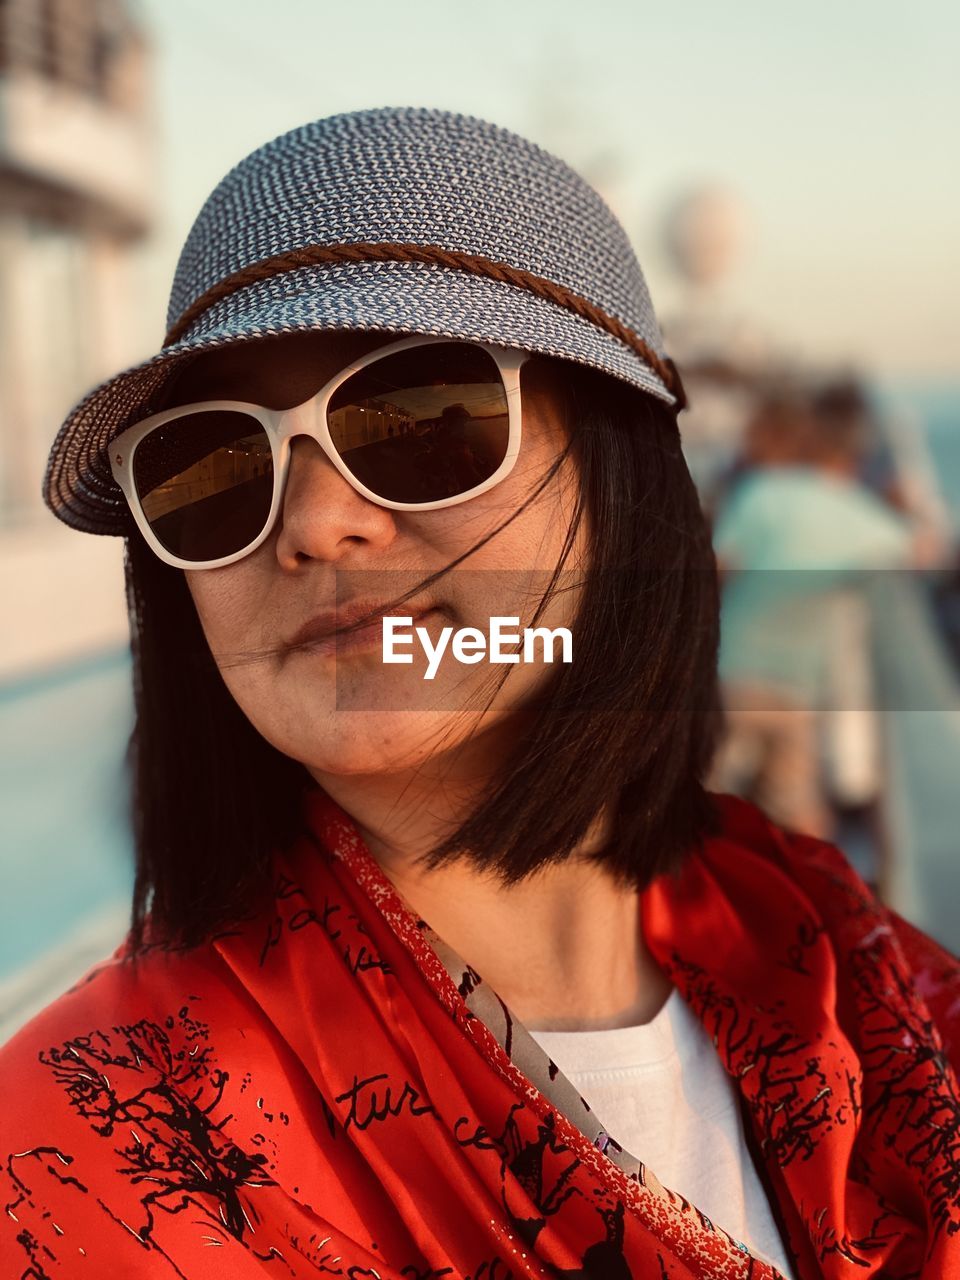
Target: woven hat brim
(393,297)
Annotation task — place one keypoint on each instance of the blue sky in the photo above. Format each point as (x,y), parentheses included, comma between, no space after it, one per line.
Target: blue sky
(833,122)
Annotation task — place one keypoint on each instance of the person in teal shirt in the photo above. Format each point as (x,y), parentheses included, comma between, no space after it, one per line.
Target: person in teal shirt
(796,543)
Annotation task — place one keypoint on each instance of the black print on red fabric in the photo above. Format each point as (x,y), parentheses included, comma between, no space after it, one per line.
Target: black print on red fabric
(808,931)
(605,1259)
(543,1168)
(295,912)
(492,1269)
(22,1172)
(913,1096)
(825,1240)
(369,1101)
(323,1258)
(790,1098)
(157,1104)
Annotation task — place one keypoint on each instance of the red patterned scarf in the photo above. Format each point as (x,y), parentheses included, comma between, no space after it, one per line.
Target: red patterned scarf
(329,1090)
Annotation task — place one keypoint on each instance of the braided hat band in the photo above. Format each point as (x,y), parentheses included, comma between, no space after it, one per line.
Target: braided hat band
(393,220)
(664,367)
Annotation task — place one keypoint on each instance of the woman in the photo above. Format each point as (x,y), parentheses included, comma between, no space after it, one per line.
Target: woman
(450,967)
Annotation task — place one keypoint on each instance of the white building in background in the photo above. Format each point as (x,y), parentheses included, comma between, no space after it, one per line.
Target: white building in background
(76,184)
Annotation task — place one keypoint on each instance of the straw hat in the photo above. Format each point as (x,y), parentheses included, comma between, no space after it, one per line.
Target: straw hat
(404,220)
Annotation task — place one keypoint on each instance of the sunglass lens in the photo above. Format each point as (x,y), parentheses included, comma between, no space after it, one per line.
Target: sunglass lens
(424,424)
(205,483)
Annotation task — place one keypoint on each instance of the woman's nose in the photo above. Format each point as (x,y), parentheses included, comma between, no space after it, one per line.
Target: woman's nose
(322,516)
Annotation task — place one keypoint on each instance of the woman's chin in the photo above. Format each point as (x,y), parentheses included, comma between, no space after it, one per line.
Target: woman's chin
(369,742)
(365,720)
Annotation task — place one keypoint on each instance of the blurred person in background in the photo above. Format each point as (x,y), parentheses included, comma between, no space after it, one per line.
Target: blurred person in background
(892,460)
(472,977)
(852,726)
(796,535)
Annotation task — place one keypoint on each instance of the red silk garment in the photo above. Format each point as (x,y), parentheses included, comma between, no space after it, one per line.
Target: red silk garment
(328,1090)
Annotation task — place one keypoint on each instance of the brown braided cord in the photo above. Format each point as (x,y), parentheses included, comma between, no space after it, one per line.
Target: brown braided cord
(475,263)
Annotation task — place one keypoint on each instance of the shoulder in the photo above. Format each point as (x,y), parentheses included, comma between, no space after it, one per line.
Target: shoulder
(88,1085)
(816,867)
(867,936)
(64,1074)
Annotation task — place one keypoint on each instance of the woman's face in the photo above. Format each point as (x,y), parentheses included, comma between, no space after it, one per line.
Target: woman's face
(341,710)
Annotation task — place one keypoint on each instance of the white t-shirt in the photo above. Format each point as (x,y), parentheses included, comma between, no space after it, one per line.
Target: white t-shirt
(661,1090)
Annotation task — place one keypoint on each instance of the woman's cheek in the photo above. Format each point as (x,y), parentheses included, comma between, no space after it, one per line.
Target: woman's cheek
(224,608)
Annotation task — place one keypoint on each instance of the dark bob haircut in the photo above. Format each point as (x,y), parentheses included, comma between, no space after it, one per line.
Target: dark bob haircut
(630,727)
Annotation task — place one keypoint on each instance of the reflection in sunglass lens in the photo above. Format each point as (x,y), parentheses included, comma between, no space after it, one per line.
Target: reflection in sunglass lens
(424,424)
(205,483)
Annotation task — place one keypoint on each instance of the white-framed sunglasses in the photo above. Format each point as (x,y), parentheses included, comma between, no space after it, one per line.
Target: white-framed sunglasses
(419,424)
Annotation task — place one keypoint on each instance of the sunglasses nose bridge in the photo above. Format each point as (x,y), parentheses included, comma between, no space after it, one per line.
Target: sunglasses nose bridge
(307,419)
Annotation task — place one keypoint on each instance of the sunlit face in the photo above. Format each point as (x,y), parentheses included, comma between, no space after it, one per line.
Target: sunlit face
(340,710)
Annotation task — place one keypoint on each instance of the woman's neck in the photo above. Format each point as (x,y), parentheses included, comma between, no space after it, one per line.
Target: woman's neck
(563,949)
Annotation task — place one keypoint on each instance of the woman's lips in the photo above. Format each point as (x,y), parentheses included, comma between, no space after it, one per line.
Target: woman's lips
(369,636)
